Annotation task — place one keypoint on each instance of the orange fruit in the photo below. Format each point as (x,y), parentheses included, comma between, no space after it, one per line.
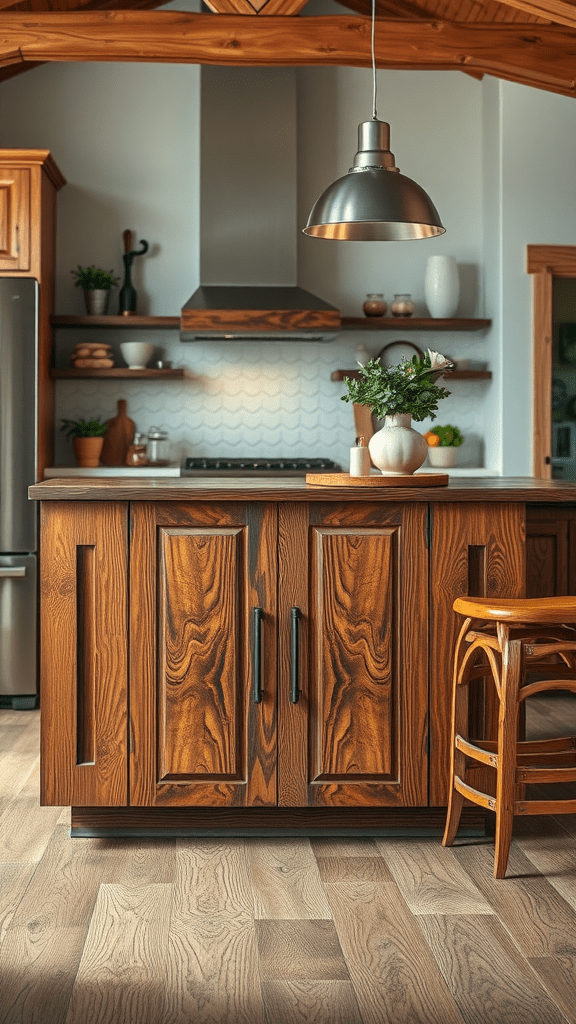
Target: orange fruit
(432,440)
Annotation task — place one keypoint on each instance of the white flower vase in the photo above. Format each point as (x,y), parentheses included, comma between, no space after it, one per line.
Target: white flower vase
(397,449)
(441,286)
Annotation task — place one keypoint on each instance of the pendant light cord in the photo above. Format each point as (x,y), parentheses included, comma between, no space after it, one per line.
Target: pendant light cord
(374,114)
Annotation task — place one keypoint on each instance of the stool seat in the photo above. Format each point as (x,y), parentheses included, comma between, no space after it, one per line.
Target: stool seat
(522,646)
(540,610)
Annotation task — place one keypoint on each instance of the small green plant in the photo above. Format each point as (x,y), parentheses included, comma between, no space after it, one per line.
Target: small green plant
(92,278)
(450,437)
(409,387)
(83,428)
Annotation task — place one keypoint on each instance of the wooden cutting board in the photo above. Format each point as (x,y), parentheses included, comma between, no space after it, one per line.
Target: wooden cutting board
(345,480)
(118,437)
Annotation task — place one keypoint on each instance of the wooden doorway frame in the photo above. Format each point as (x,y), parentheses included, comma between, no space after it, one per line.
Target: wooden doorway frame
(545,262)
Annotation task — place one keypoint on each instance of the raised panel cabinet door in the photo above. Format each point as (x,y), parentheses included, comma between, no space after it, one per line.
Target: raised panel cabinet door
(14,218)
(203,654)
(353,678)
(83,661)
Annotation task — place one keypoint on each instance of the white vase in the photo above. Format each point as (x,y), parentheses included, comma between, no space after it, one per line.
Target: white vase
(442,456)
(441,286)
(397,449)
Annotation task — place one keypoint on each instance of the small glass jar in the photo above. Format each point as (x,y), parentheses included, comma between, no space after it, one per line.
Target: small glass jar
(402,305)
(375,304)
(136,454)
(157,449)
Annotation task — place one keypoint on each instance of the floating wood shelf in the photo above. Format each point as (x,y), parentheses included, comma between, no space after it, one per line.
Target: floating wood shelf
(411,323)
(116,372)
(136,322)
(455,375)
(348,323)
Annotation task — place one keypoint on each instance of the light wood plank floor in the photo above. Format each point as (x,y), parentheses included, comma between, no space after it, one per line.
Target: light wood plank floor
(276,931)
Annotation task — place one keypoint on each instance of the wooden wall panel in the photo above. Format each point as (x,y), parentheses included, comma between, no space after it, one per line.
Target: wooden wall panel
(547,559)
(83,645)
(499,529)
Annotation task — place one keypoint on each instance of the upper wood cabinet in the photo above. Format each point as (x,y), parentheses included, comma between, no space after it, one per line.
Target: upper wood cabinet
(29,181)
(14,219)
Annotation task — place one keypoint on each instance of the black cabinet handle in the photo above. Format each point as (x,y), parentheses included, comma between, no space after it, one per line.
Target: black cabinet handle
(294,653)
(257,616)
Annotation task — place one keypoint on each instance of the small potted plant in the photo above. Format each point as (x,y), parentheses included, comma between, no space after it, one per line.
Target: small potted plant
(96,285)
(443,443)
(87,440)
(398,394)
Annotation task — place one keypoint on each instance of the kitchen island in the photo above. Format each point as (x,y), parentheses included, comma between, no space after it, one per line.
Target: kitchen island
(245,656)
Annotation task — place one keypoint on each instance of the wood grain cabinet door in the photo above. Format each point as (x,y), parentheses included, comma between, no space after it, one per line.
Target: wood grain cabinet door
(203,654)
(83,669)
(14,219)
(353,657)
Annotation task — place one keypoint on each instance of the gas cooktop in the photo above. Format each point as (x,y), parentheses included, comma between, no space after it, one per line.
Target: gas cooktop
(256,467)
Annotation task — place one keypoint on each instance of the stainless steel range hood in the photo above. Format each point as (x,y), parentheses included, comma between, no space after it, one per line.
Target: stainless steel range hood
(248,217)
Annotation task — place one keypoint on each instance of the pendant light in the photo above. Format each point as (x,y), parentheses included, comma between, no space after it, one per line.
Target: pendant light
(374,202)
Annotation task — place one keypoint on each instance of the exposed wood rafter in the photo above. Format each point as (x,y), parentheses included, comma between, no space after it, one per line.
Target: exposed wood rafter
(542,56)
(563,12)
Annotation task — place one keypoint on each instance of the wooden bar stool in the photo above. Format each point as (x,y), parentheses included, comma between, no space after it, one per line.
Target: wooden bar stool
(511,641)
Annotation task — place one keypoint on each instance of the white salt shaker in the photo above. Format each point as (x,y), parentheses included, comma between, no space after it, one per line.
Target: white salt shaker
(359,458)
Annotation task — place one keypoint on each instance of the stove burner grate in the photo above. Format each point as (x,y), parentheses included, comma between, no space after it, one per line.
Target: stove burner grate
(255,467)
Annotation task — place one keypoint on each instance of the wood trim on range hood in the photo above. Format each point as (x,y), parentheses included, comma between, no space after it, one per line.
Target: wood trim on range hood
(232,313)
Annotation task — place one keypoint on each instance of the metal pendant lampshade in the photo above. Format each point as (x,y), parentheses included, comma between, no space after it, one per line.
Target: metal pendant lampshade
(374,202)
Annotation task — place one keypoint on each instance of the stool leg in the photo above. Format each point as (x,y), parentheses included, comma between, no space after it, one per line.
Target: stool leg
(512,666)
(459,725)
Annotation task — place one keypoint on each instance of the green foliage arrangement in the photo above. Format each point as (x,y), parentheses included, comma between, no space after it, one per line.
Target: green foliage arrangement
(83,428)
(409,387)
(91,278)
(450,437)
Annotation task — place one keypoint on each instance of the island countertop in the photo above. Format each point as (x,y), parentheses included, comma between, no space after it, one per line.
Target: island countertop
(476,489)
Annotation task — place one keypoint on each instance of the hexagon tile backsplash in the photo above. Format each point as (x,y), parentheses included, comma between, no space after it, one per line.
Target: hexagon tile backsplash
(246,399)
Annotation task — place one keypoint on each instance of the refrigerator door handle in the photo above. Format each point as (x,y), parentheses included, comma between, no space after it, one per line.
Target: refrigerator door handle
(11,571)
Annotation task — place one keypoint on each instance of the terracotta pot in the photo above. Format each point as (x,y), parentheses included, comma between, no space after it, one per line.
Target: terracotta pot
(87,450)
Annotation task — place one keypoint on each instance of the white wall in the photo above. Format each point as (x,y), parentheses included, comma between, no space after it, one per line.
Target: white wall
(497,159)
(539,189)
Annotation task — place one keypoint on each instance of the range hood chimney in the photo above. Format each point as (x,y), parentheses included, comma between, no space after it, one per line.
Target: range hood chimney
(248,217)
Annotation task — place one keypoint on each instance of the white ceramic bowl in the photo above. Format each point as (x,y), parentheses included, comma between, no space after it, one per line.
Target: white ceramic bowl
(136,353)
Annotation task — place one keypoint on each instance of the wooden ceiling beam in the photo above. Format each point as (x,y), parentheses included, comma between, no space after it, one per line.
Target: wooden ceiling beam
(543,56)
(562,12)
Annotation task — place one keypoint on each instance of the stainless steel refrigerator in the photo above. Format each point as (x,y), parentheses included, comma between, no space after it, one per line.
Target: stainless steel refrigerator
(18,515)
